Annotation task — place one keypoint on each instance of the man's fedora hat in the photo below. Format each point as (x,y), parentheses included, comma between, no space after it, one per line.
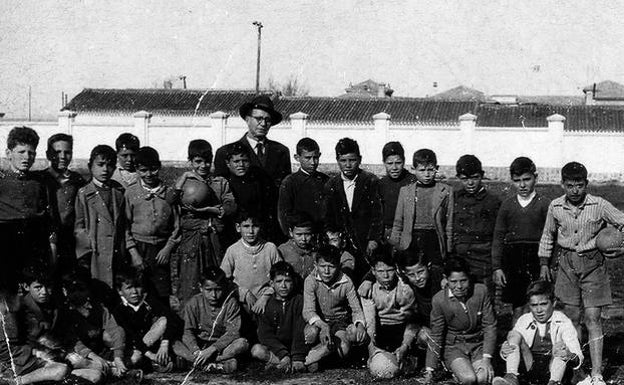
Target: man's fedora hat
(263,103)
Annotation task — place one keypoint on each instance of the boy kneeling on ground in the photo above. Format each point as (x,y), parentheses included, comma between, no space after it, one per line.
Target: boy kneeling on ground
(551,337)
(212,321)
(390,312)
(331,308)
(280,327)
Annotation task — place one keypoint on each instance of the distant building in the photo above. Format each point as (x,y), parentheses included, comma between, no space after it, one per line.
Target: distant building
(461,93)
(368,89)
(605,93)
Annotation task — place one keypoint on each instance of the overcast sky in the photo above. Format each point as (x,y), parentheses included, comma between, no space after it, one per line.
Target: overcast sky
(518,47)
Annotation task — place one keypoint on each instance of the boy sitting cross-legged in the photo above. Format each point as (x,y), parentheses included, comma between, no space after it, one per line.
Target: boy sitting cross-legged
(212,321)
(551,337)
(280,327)
(146,321)
(331,308)
(390,311)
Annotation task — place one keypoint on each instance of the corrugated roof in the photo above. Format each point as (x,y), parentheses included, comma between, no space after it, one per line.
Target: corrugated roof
(180,101)
(578,118)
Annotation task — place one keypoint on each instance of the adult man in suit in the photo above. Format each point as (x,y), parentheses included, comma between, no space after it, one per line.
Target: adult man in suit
(353,206)
(273,157)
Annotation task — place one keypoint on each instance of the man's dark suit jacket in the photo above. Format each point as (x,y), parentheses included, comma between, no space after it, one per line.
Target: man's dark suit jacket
(277,164)
(361,224)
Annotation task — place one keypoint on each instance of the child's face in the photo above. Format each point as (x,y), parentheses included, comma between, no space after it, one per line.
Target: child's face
(125,159)
(212,291)
(302,236)
(471,183)
(282,285)
(149,175)
(61,155)
(102,169)
(425,173)
(394,166)
(239,164)
(541,307)
(575,190)
(39,292)
(249,231)
(131,293)
(326,270)
(21,157)
(201,166)
(84,309)
(459,283)
(525,183)
(309,160)
(417,275)
(335,240)
(385,274)
(349,164)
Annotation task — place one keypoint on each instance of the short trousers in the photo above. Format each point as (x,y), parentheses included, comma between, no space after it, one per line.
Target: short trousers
(338,325)
(521,266)
(389,337)
(582,279)
(25,362)
(472,351)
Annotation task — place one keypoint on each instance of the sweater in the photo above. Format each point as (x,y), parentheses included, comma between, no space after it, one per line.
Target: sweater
(390,194)
(206,324)
(517,224)
(280,328)
(250,266)
(301,192)
(335,302)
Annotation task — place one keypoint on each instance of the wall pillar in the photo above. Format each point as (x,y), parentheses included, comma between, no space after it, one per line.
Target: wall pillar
(299,123)
(218,121)
(467,128)
(555,131)
(382,126)
(66,120)
(141,125)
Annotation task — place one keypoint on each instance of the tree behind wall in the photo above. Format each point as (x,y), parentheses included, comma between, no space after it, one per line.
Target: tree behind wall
(292,86)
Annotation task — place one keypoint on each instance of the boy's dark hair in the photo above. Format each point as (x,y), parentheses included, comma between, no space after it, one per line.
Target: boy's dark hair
(300,219)
(148,157)
(329,254)
(282,268)
(36,273)
(382,254)
(573,171)
(237,149)
(200,148)
(392,148)
(522,165)
(104,151)
(457,265)
(22,135)
(347,146)
(242,215)
(540,287)
(60,137)
(468,165)
(213,274)
(130,276)
(77,293)
(424,156)
(127,141)
(410,257)
(307,144)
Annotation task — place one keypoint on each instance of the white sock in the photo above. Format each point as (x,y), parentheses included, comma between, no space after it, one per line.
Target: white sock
(557,369)
(513,360)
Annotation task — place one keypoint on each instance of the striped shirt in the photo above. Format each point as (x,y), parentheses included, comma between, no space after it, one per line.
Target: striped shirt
(576,227)
(331,303)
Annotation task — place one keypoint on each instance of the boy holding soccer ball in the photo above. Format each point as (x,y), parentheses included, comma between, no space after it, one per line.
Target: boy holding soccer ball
(574,220)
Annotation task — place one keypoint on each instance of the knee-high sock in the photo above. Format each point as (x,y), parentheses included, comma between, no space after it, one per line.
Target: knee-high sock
(513,360)
(557,369)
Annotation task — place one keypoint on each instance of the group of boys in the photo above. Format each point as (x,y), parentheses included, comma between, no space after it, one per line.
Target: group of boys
(104,265)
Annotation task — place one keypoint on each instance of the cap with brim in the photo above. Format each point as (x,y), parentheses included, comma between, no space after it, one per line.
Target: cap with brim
(263,103)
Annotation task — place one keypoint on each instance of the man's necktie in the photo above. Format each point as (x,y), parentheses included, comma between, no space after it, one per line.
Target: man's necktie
(261,153)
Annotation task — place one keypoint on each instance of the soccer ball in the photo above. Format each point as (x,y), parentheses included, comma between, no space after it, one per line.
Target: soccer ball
(197,194)
(609,238)
(384,365)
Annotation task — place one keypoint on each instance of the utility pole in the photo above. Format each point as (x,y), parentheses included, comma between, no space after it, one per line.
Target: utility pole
(29,102)
(259,25)
(183,78)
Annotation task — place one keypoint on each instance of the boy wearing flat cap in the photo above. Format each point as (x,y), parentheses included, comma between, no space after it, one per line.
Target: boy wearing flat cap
(272,156)
(474,216)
